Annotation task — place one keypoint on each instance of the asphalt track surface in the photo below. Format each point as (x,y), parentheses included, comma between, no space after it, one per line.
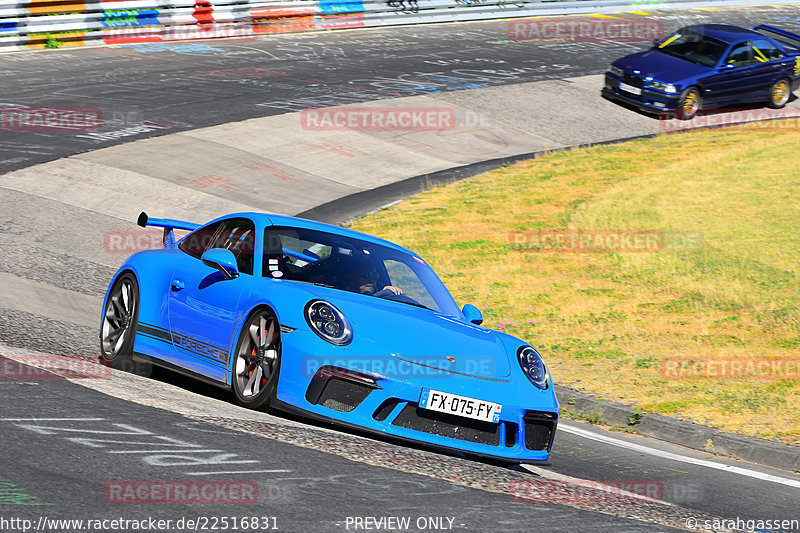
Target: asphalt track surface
(186,85)
(310,478)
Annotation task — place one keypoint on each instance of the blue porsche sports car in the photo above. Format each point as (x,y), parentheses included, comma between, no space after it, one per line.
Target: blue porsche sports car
(333,324)
(708,66)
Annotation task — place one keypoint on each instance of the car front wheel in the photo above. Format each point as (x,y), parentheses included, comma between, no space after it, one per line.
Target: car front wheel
(257,360)
(689,103)
(779,93)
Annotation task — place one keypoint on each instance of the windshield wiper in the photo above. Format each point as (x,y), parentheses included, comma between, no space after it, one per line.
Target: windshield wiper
(418,305)
(409,301)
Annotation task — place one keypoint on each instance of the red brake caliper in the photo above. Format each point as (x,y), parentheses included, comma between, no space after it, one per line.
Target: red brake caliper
(263,379)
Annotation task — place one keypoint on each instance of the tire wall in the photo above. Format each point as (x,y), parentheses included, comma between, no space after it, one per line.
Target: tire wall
(32,24)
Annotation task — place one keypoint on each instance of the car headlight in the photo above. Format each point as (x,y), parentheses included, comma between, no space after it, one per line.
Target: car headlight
(616,71)
(666,87)
(328,322)
(533,366)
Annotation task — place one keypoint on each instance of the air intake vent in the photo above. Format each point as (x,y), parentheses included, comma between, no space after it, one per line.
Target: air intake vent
(540,429)
(511,434)
(445,425)
(339,389)
(383,412)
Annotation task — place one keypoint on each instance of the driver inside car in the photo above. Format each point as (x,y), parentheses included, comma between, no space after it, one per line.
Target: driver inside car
(364,277)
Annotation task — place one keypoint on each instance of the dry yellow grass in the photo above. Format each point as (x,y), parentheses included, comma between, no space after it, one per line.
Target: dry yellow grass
(723,287)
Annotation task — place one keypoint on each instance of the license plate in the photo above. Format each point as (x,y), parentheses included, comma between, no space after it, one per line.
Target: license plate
(444,402)
(630,88)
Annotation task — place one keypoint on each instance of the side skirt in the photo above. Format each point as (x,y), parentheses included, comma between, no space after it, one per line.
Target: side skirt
(142,358)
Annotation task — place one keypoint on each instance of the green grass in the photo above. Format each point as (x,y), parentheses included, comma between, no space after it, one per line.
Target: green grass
(723,285)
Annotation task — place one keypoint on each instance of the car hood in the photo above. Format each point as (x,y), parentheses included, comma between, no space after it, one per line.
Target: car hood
(662,67)
(416,337)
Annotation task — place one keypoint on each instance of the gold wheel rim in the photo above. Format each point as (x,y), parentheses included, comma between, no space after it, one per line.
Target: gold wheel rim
(690,102)
(779,92)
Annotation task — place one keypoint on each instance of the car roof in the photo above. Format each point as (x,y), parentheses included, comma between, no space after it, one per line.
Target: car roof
(726,32)
(269,219)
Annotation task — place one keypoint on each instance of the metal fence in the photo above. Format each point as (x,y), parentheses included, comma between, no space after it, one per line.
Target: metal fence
(26,24)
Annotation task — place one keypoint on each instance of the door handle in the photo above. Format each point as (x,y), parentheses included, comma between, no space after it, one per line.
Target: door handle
(177,285)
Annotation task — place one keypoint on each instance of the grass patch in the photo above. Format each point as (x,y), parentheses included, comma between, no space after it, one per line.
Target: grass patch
(723,285)
(590,417)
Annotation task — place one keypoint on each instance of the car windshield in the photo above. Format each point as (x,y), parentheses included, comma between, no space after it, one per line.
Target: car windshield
(354,265)
(693,46)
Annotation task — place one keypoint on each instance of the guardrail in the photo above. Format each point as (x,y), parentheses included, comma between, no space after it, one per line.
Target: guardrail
(26,24)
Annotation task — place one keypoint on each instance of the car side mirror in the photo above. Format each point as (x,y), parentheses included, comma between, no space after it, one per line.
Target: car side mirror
(472,314)
(223,260)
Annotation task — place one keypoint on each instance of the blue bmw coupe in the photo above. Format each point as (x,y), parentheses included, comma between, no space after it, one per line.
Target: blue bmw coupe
(708,66)
(332,324)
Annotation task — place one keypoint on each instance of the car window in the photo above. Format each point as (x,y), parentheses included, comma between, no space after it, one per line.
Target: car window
(350,264)
(740,56)
(194,244)
(693,46)
(764,51)
(234,234)
(401,275)
(783,40)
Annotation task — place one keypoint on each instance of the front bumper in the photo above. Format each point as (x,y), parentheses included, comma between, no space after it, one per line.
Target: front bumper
(389,406)
(649,100)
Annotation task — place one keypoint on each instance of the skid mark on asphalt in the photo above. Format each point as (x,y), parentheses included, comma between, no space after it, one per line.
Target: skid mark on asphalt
(518,484)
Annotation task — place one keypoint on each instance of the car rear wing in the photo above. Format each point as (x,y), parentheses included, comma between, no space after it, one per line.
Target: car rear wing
(168,224)
(791,41)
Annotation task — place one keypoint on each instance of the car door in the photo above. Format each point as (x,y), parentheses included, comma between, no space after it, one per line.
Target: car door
(203,304)
(772,63)
(735,78)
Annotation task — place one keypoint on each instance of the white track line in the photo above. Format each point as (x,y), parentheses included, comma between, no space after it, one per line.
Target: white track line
(35,419)
(677,457)
(236,472)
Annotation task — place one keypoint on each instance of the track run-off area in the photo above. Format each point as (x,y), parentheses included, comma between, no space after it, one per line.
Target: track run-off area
(194,130)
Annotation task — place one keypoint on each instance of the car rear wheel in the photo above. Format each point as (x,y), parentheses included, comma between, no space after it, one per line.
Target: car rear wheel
(689,103)
(779,93)
(118,328)
(257,361)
